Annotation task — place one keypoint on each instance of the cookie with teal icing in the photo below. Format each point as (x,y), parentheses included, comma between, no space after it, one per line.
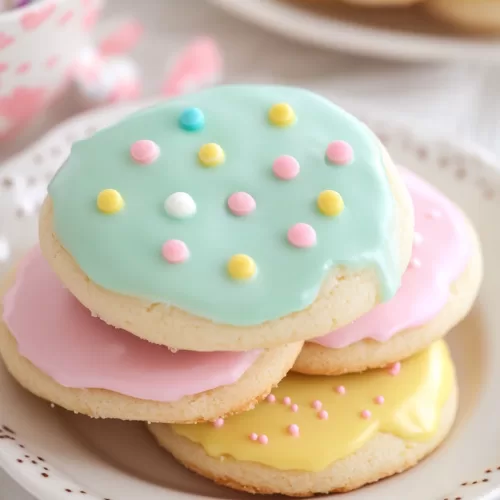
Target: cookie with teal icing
(235,218)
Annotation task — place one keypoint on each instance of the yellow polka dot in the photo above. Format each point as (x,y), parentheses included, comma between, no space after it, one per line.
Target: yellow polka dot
(241,267)
(110,201)
(330,203)
(211,155)
(282,114)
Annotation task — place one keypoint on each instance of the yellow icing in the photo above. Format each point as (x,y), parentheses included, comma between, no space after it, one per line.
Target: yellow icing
(241,267)
(211,155)
(110,201)
(413,400)
(330,203)
(282,114)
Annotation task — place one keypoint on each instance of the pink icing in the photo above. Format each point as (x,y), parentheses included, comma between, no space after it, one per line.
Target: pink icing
(293,430)
(263,439)
(144,151)
(339,152)
(241,203)
(175,251)
(440,254)
(323,415)
(302,235)
(295,407)
(61,338)
(366,414)
(286,167)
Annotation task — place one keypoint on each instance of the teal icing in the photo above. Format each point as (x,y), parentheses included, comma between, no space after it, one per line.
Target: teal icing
(122,252)
(192,119)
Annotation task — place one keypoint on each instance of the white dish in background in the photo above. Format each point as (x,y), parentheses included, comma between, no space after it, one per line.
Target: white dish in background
(57,455)
(401,34)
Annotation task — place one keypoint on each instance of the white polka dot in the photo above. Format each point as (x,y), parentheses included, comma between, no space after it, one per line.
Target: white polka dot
(180,205)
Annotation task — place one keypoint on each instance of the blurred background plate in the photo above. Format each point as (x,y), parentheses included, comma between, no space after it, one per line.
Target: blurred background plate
(407,34)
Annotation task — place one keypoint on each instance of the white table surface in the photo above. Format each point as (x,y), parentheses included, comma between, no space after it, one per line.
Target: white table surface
(461,101)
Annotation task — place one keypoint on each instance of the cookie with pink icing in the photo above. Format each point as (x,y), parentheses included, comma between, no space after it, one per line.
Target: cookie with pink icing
(59,351)
(437,291)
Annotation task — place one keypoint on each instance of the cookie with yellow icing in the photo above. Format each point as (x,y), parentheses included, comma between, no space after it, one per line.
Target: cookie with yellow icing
(323,434)
(473,15)
(437,291)
(236,218)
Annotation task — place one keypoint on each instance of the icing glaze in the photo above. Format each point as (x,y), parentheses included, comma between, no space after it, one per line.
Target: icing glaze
(61,338)
(236,120)
(441,252)
(411,411)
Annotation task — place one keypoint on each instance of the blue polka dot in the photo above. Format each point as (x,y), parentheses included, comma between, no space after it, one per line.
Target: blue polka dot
(192,119)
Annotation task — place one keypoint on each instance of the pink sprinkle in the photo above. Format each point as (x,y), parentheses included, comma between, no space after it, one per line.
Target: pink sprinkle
(366,414)
(340,153)
(271,398)
(175,251)
(323,415)
(254,436)
(415,263)
(145,151)
(295,408)
(302,235)
(417,238)
(286,167)
(294,430)
(340,389)
(287,400)
(241,203)
(317,404)
(379,400)
(395,368)
(263,439)
(218,423)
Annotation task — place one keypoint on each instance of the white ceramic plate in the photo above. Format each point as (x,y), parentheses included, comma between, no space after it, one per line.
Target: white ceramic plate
(57,455)
(403,34)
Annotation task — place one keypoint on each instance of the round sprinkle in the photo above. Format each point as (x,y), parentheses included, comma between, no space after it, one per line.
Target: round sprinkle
(145,152)
(175,251)
(218,423)
(415,263)
(263,439)
(271,398)
(110,201)
(295,407)
(293,430)
(339,153)
(395,368)
(254,436)
(211,155)
(379,400)
(241,203)
(302,235)
(192,119)
(366,414)
(323,415)
(340,389)
(287,400)
(282,114)
(417,238)
(330,203)
(241,267)
(317,404)
(286,167)
(180,205)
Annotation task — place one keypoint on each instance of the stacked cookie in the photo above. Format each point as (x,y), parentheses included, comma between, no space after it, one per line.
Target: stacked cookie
(188,252)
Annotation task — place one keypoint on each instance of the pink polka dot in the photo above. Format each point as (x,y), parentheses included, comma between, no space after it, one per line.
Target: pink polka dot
(271,398)
(339,153)
(293,430)
(254,436)
(295,407)
(317,404)
(302,235)
(218,423)
(287,400)
(263,439)
(323,415)
(340,389)
(379,400)
(286,167)
(241,203)
(366,414)
(145,151)
(394,369)
(175,251)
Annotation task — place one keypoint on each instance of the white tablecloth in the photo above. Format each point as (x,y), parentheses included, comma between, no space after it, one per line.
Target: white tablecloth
(461,101)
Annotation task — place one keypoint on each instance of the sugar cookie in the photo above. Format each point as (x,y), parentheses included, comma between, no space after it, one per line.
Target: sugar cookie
(54,347)
(438,290)
(347,431)
(252,254)
(474,15)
